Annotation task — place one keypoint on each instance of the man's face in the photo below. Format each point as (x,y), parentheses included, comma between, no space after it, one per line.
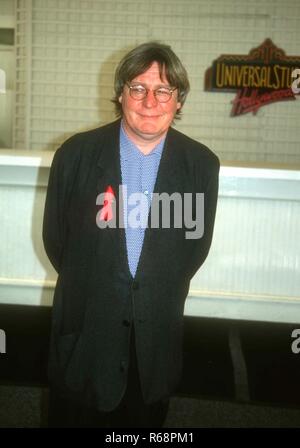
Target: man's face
(148,120)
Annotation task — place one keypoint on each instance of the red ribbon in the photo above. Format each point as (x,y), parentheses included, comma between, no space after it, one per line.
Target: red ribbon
(106,213)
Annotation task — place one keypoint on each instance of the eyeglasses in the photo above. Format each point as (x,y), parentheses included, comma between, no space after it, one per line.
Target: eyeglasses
(139,92)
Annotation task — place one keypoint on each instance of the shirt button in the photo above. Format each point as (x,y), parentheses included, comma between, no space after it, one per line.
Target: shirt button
(146,192)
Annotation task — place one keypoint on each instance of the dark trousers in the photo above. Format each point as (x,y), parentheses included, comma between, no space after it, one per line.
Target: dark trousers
(132,412)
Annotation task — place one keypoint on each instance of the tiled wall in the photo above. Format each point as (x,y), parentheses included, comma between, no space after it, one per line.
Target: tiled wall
(67,51)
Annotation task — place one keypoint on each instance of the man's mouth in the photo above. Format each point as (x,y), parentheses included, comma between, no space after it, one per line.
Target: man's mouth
(150,116)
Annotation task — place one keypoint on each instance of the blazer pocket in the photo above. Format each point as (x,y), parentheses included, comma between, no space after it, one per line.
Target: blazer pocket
(65,348)
(77,365)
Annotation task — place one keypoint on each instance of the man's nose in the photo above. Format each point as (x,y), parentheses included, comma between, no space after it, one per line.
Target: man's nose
(150,100)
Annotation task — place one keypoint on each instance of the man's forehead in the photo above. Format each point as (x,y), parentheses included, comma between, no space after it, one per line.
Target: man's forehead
(153,72)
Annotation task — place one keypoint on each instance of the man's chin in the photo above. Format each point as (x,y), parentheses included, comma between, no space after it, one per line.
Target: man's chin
(150,134)
(147,132)
(150,130)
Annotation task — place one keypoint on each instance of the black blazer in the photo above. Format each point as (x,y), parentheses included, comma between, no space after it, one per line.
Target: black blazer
(96,300)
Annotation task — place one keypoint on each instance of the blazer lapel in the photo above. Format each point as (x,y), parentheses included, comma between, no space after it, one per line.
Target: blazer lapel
(170,169)
(109,175)
(108,163)
(170,179)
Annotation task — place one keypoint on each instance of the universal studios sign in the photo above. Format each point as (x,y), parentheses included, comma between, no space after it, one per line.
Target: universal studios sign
(262,77)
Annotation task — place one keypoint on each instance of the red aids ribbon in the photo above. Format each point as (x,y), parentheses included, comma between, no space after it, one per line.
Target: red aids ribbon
(106,213)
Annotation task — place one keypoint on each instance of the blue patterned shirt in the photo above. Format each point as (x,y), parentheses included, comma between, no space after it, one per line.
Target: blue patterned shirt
(139,172)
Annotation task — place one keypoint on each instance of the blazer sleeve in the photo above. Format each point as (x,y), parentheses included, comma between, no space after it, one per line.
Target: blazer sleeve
(202,245)
(61,180)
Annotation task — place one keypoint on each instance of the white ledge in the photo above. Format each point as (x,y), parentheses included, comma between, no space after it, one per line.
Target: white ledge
(20,157)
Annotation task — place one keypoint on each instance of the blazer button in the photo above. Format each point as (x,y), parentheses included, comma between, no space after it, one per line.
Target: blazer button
(135,285)
(122,366)
(126,323)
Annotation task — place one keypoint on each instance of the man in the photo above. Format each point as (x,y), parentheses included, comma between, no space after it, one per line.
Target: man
(117,326)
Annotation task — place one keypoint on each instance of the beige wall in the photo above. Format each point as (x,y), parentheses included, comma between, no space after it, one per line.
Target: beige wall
(7,65)
(67,51)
